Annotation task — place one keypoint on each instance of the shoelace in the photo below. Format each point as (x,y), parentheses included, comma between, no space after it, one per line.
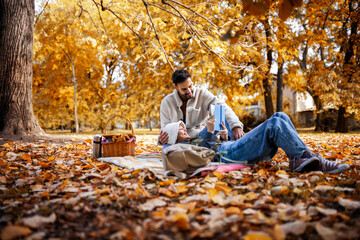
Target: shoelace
(326,165)
(329,164)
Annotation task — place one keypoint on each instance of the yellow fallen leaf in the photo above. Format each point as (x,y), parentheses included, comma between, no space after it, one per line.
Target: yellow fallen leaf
(218,175)
(257,236)
(233,210)
(221,186)
(166,183)
(182,221)
(12,232)
(8,144)
(249,196)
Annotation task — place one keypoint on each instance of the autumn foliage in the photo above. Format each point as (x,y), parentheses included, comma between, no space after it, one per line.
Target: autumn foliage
(95,58)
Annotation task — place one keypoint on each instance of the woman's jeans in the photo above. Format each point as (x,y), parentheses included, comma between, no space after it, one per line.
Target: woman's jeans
(262,142)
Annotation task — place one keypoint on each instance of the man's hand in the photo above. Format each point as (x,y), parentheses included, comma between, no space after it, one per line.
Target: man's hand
(163,137)
(237,132)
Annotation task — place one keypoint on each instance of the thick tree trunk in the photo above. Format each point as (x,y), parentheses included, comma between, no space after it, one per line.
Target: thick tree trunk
(280,87)
(16,70)
(348,68)
(318,121)
(342,125)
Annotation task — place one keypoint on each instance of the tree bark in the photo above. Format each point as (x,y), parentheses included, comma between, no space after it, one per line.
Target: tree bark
(266,81)
(280,87)
(342,123)
(150,121)
(74,81)
(318,121)
(16,69)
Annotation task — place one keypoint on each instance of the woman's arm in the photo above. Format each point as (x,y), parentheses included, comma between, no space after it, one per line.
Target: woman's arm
(210,138)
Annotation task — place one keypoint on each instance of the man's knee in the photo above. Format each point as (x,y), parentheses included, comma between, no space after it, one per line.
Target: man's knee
(281,115)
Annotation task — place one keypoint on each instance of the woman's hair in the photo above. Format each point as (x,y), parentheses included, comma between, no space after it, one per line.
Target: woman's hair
(180,75)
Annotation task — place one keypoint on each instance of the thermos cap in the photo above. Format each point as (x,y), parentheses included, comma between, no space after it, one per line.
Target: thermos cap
(97,137)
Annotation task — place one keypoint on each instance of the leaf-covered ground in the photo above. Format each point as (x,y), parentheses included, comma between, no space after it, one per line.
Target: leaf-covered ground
(56,191)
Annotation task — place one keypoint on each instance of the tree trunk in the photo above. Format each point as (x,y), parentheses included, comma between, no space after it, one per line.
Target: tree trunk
(268,98)
(266,81)
(150,121)
(280,87)
(342,125)
(318,121)
(16,69)
(74,81)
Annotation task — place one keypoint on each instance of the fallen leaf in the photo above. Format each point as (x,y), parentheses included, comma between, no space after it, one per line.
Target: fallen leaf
(12,232)
(326,211)
(296,228)
(257,236)
(182,221)
(349,204)
(37,221)
(325,232)
(151,204)
(233,210)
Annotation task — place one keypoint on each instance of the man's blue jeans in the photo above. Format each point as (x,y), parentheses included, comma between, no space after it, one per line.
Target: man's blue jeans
(262,142)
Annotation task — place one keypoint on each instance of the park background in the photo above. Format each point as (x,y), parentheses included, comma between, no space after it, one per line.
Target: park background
(96,59)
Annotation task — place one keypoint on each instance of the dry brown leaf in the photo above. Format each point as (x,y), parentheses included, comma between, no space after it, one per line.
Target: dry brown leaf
(12,232)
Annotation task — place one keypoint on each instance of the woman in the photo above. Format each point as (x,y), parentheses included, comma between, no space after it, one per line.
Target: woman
(259,144)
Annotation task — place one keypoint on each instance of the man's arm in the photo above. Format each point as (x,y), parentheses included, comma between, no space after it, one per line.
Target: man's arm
(163,137)
(164,120)
(235,124)
(164,114)
(237,132)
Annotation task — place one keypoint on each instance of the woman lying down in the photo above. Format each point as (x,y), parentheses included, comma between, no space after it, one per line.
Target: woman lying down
(259,144)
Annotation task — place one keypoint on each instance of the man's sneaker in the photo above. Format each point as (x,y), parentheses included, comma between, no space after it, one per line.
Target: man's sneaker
(330,167)
(304,164)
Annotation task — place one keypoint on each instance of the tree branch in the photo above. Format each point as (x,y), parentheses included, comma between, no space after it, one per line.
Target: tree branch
(103,8)
(202,42)
(193,11)
(164,9)
(101,20)
(157,36)
(38,16)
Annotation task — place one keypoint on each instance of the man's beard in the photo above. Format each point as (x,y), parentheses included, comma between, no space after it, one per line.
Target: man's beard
(187,96)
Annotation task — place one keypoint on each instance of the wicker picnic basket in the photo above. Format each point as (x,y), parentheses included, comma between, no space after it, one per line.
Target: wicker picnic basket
(118,149)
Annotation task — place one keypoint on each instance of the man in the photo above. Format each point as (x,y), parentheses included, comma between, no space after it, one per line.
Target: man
(192,105)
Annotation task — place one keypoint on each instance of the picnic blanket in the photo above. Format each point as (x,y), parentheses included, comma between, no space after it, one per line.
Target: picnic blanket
(153,162)
(150,161)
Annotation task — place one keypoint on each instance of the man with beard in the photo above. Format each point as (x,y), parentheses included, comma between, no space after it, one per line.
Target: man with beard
(192,105)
